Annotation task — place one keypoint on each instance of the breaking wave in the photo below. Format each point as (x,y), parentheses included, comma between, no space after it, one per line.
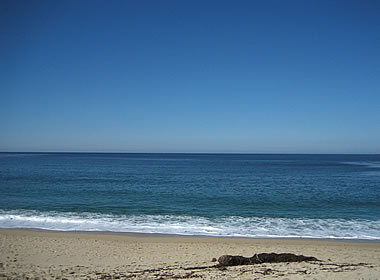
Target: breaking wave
(254,227)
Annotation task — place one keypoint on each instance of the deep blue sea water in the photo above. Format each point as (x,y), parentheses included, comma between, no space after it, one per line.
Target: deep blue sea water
(253,195)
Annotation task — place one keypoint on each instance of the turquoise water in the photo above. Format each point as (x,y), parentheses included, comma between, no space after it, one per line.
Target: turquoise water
(253,195)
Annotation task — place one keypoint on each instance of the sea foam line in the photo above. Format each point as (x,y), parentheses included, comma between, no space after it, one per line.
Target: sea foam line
(192,225)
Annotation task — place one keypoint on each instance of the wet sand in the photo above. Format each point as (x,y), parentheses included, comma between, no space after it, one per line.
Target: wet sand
(31,254)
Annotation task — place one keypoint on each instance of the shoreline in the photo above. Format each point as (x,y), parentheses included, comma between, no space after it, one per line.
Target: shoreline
(35,253)
(173,235)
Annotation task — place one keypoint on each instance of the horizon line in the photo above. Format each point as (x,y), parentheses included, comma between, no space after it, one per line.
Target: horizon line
(209,153)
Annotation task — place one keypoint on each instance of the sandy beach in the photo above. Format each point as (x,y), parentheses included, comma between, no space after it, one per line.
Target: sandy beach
(31,254)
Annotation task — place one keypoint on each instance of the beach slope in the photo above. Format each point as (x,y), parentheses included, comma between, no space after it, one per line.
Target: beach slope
(31,254)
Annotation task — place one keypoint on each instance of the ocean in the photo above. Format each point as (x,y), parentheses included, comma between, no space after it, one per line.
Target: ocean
(240,195)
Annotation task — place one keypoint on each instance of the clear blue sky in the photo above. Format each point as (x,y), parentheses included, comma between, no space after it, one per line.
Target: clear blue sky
(190,76)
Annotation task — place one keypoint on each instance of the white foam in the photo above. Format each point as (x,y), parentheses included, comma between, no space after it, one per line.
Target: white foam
(190,225)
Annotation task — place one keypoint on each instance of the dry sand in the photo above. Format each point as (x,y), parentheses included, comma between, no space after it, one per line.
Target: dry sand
(28,254)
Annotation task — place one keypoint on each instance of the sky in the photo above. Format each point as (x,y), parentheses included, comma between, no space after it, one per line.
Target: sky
(190,76)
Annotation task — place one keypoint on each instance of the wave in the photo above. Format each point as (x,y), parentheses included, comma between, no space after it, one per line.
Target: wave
(256,227)
(363,163)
